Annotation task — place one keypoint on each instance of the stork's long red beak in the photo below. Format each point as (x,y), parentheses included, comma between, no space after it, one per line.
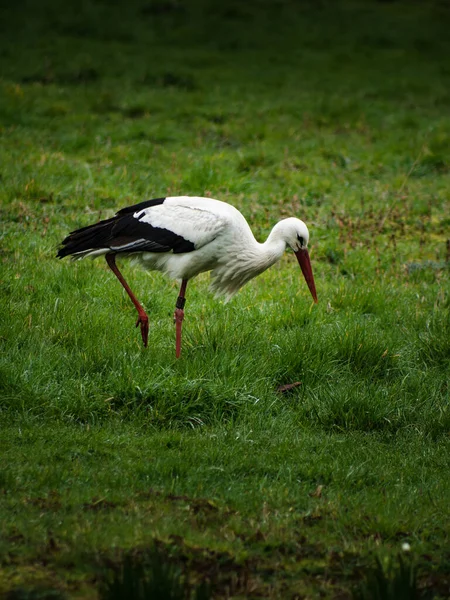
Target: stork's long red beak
(305,265)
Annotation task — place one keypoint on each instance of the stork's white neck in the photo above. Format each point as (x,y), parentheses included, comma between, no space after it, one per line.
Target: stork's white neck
(253,259)
(272,249)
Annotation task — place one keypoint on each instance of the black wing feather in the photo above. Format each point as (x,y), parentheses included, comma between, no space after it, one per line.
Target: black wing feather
(140,206)
(124,233)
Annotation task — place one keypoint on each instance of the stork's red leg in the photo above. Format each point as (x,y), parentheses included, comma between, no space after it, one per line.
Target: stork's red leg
(142,318)
(178,316)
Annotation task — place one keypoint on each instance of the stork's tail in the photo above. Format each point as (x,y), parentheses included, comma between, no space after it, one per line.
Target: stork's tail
(92,240)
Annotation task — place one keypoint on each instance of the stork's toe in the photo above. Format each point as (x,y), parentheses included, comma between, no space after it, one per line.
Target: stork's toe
(143,322)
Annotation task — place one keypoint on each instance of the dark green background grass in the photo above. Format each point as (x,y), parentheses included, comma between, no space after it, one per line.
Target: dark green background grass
(335,112)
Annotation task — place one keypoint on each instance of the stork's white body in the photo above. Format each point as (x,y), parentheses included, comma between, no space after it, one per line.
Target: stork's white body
(224,243)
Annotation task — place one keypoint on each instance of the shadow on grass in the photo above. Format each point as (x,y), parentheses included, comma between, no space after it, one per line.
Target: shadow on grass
(150,576)
(394,580)
(35,594)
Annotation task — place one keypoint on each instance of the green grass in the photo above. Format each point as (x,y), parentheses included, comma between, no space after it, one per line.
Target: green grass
(335,112)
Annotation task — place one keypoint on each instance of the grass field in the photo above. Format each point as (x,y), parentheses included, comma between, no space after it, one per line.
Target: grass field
(334,112)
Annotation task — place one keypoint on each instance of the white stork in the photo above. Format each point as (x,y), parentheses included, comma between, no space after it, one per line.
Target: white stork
(183,236)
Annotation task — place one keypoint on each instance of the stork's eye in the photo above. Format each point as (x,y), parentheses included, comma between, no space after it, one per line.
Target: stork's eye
(301,240)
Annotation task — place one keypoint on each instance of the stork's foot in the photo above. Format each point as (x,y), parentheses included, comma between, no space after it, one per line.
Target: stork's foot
(178,317)
(143,322)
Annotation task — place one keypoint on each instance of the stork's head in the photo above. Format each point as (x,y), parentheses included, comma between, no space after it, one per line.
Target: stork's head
(296,235)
